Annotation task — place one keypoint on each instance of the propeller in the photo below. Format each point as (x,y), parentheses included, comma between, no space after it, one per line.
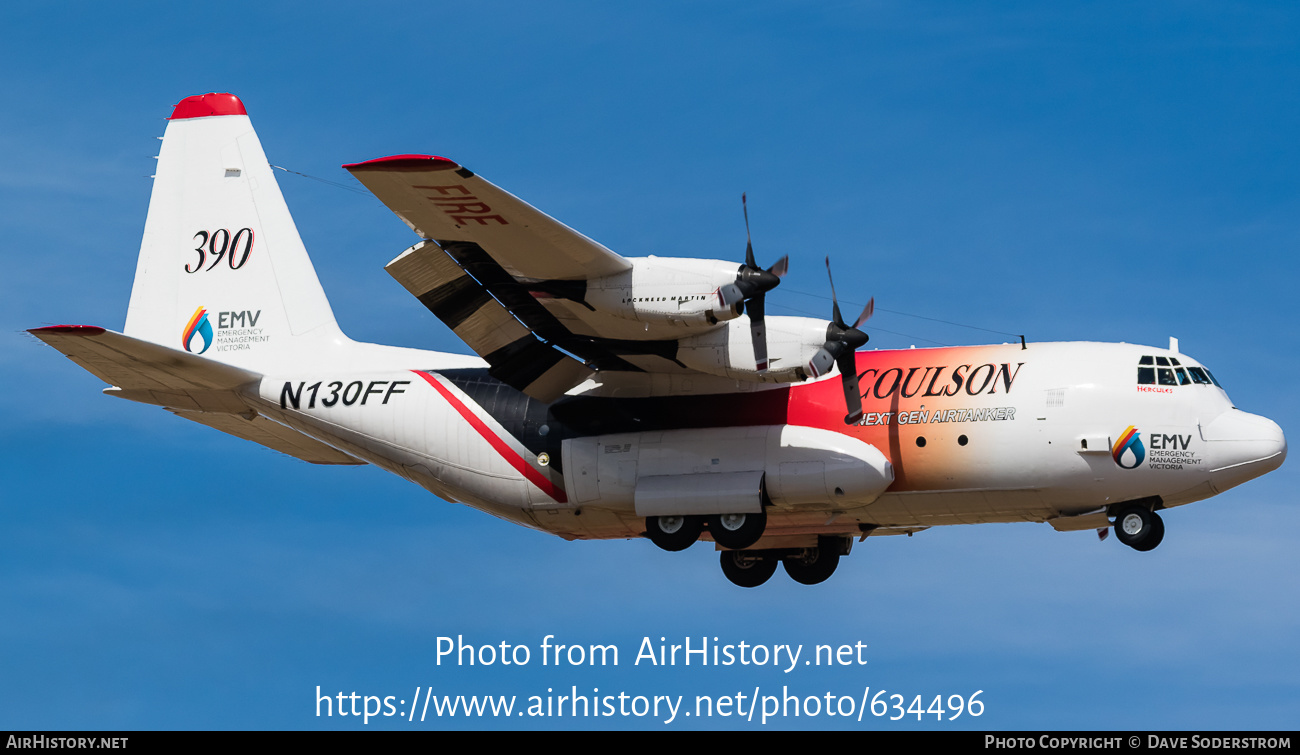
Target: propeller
(841,342)
(751,286)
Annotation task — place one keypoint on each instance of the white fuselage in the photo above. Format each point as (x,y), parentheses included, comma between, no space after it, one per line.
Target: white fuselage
(968,435)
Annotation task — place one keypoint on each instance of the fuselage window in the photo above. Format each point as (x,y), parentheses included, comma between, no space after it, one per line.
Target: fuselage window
(1166,375)
(1146,375)
(1146,360)
(1162,361)
(1182,377)
(1198,375)
(1213,379)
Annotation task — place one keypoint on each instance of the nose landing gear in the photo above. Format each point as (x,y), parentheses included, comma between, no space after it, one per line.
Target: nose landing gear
(1139,528)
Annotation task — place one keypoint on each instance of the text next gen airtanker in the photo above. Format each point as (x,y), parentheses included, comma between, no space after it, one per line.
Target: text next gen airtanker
(619,397)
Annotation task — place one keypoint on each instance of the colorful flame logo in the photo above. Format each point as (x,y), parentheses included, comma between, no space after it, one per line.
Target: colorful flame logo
(198,324)
(1129,440)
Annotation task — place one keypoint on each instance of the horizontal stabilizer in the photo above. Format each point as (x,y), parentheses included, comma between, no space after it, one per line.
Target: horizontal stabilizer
(136,365)
(273,435)
(194,387)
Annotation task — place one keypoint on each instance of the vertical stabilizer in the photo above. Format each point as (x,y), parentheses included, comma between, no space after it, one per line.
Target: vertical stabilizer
(222,271)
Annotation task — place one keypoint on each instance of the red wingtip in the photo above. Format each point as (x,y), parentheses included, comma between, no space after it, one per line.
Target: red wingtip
(72,330)
(405,162)
(205,105)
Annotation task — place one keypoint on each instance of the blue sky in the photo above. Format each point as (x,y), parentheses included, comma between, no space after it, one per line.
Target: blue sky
(1103,172)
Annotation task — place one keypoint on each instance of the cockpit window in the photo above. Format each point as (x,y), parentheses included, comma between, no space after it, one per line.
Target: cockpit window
(1153,370)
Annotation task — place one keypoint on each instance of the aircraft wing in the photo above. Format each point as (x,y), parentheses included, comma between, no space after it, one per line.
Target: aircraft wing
(507,278)
(443,201)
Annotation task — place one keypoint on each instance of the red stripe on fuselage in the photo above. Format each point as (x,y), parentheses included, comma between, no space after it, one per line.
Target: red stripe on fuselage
(506,452)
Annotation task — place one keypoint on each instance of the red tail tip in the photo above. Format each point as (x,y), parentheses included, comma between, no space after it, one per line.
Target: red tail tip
(205,105)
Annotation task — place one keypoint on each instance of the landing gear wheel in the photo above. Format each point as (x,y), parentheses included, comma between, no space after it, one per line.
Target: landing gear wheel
(673,533)
(737,531)
(748,568)
(1134,526)
(1157,534)
(814,565)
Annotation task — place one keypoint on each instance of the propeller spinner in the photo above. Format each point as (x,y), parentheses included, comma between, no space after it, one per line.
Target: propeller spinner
(841,342)
(751,286)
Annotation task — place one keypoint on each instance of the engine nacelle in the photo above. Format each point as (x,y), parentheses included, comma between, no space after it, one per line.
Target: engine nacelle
(668,291)
(724,470)
(729,351)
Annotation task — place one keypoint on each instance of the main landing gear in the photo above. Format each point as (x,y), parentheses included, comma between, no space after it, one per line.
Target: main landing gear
(736,533)
(733,531)
(1138,527)
(807,566)
(674,533)
(748,568)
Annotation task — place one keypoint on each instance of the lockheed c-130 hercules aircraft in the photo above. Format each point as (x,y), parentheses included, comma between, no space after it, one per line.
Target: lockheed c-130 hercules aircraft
(623,397)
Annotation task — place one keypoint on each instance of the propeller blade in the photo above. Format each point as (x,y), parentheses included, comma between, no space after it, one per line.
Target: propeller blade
(821,362)
(752,282)
(758,332)
(848,365)
(841,344)
(749,245)
(835,302)
(730,294)
(867,312)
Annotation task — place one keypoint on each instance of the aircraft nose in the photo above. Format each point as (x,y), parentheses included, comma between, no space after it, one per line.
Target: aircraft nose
(1243,446)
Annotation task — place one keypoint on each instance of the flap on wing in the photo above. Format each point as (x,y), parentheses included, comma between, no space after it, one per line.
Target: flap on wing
(137,365)
(455,298)
(441,200)
(273,435)
(514,355)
